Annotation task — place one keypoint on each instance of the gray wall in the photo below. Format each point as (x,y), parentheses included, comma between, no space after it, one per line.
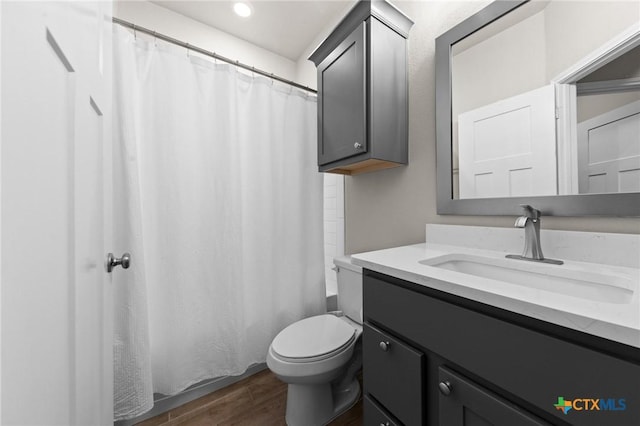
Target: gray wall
(390,207)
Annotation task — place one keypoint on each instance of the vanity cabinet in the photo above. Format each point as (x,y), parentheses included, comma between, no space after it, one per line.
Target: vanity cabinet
(480,365)
(362,91)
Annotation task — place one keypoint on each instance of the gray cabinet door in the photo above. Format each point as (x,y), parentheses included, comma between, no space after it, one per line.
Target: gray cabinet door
(464,403)
(376,416)
(342,100)
(393,373)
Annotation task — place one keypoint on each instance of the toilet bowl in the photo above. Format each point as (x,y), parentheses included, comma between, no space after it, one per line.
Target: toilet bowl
(318,357)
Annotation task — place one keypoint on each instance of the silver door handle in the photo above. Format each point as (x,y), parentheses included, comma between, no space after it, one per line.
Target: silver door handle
(112,261)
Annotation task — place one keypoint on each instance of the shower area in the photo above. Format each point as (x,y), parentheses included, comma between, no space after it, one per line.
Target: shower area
(218,199)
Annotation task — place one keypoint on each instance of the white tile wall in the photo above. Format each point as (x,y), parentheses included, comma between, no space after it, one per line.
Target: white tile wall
(333,226)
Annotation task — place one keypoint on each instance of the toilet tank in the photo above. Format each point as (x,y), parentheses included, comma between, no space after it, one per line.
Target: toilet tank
(349,288)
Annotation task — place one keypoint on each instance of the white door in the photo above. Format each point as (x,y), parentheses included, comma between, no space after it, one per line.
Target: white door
(609,151)
(55,213)
(508,148)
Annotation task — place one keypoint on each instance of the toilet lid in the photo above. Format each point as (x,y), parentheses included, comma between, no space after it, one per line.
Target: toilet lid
(313,337)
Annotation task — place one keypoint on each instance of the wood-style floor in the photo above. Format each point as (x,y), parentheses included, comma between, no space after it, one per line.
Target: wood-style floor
(258,400)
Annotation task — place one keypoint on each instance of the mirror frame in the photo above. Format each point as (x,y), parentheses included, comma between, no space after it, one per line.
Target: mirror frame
(619,204)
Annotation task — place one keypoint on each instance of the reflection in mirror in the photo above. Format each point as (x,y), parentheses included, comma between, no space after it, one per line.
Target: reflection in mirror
(608,127)
(546,101)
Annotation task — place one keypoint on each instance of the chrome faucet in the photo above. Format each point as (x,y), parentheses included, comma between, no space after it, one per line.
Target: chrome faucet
(530,221)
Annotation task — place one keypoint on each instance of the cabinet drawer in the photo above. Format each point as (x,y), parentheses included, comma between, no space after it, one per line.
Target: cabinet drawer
(463,403)
(376,416)
(393,375)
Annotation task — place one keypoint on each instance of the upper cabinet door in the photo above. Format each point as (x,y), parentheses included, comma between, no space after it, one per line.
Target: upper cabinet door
(362,91)
(342,106)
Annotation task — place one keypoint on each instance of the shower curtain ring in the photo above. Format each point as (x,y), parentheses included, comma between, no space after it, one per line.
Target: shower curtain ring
(155,39)
(272,79)
(188,48)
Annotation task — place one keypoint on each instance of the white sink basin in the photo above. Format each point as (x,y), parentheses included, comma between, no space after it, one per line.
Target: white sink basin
(586,282)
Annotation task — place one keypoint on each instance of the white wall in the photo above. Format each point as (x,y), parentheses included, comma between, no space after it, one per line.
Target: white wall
(333,226)
(593,23)
(0,211)
(498,67)
(167,22)
(590,106)
(305,69)
(157,18)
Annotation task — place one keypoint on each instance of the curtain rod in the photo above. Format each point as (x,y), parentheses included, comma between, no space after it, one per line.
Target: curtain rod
(214,55)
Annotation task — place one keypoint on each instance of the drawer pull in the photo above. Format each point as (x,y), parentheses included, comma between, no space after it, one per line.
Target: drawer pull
(384,346)
(445,388)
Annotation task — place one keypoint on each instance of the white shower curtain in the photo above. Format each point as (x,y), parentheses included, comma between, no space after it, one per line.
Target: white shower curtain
(219,201)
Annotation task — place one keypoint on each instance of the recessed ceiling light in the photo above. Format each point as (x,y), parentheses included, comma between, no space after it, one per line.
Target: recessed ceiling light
(242,9)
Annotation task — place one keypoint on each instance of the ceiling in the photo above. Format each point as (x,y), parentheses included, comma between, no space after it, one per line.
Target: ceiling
(284,27)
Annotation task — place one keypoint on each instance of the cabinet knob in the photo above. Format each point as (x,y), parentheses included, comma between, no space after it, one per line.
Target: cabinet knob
(384,346)
(445,388)
(384,424)
(357,145)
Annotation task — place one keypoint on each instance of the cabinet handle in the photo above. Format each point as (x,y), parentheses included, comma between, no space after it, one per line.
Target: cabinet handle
(445,388)
(384,346)
(357,145)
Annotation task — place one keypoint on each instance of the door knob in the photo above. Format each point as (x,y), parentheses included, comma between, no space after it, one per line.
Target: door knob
(112,261)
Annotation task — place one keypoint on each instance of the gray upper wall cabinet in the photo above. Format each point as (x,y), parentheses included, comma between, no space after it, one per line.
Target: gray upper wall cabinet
(362,91)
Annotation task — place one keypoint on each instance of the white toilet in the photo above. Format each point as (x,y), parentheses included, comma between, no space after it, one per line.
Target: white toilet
(317,356)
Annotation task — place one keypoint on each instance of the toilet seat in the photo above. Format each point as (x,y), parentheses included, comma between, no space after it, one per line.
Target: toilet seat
(313,339)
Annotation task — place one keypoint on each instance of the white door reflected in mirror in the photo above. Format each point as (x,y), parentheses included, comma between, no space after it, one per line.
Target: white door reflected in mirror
(508,148)
(591,72)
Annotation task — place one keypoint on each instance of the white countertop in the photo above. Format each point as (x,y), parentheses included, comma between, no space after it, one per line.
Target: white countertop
(614,321)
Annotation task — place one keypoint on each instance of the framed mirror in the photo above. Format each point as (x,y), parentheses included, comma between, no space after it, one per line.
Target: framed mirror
(538,102)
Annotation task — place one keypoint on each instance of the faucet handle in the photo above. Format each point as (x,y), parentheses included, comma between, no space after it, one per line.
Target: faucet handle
(531,212)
